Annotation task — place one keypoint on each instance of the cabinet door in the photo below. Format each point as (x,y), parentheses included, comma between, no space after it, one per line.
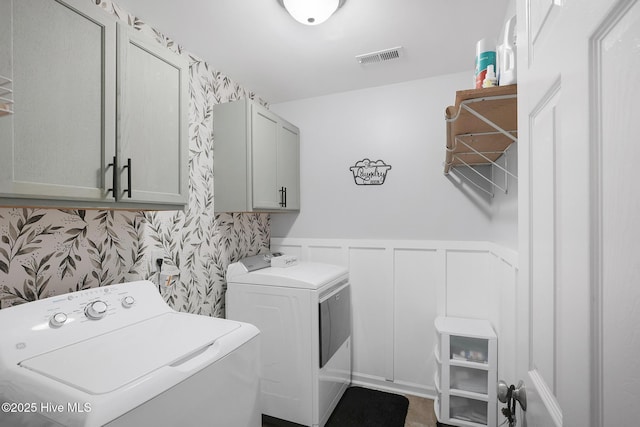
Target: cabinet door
(289,166)
(152,121)
(264,158)
(5,56)
(61,138)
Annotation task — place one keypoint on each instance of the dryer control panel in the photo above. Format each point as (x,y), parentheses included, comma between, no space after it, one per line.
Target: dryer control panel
(258,262)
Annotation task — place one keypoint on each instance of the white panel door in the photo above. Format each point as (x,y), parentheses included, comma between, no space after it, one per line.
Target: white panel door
(618,55)
(576,99)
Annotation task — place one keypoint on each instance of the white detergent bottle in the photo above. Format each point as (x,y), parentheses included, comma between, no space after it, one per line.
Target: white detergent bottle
(506,55)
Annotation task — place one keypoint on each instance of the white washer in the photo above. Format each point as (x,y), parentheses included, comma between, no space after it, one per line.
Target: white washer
(119,356)
(304,315)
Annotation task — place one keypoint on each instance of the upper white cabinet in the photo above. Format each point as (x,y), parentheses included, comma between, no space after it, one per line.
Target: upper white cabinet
(6,97)
(256,159)
(152,147)
(91,126)
(58,142)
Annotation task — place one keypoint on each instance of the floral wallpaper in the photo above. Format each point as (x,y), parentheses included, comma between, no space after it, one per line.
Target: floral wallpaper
(46,252)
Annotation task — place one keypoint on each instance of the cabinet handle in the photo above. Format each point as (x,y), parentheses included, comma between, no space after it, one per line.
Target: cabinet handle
(114,179)
(285,197)
(128,168)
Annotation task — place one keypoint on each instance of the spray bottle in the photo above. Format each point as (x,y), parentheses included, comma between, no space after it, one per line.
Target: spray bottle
(490,79)
(506,55)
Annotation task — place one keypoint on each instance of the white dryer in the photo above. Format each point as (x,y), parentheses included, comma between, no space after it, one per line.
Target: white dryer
(119,356)
(303,312)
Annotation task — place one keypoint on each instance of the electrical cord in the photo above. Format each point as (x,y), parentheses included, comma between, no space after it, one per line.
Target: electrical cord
(159,262)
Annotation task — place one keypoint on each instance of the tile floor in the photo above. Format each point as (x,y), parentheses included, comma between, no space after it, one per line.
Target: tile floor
(419,414)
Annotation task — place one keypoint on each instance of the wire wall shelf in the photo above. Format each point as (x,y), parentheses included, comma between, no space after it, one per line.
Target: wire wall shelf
(481,127)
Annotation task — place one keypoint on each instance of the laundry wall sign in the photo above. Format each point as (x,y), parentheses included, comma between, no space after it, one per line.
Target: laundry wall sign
(367,172)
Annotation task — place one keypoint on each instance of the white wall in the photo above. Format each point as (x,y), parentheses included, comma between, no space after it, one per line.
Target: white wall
(403,125)
(504,207)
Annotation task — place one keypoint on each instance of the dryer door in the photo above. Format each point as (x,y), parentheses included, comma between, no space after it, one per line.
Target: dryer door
(335,321)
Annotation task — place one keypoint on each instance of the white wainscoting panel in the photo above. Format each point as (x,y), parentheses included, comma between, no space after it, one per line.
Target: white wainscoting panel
(417,274)
(370,272)
(400,286)
(470,290)
(330,254)
(506,275)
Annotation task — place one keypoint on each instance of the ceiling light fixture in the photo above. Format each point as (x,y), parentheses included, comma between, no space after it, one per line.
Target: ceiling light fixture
(311,12)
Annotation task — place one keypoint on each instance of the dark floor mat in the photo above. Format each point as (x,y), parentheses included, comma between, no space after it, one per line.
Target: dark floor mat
(363,407)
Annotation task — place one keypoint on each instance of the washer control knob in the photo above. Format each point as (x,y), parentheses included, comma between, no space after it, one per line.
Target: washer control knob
(96,310)
(128,301)
(57,320)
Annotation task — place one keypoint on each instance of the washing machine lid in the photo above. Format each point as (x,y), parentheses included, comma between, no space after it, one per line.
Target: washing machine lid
(107,362)
(305,275)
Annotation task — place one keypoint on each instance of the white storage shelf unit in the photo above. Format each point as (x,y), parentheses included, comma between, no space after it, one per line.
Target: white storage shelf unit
(466,372)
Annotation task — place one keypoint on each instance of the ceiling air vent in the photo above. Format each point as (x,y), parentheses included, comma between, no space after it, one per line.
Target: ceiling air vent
(380,56)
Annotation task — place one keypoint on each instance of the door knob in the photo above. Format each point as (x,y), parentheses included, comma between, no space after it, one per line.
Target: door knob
(517,393)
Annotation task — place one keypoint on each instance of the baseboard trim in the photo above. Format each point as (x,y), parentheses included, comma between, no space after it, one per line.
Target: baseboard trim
(392,386)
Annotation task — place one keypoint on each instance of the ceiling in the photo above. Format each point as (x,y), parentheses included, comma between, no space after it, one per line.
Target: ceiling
(258,45)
